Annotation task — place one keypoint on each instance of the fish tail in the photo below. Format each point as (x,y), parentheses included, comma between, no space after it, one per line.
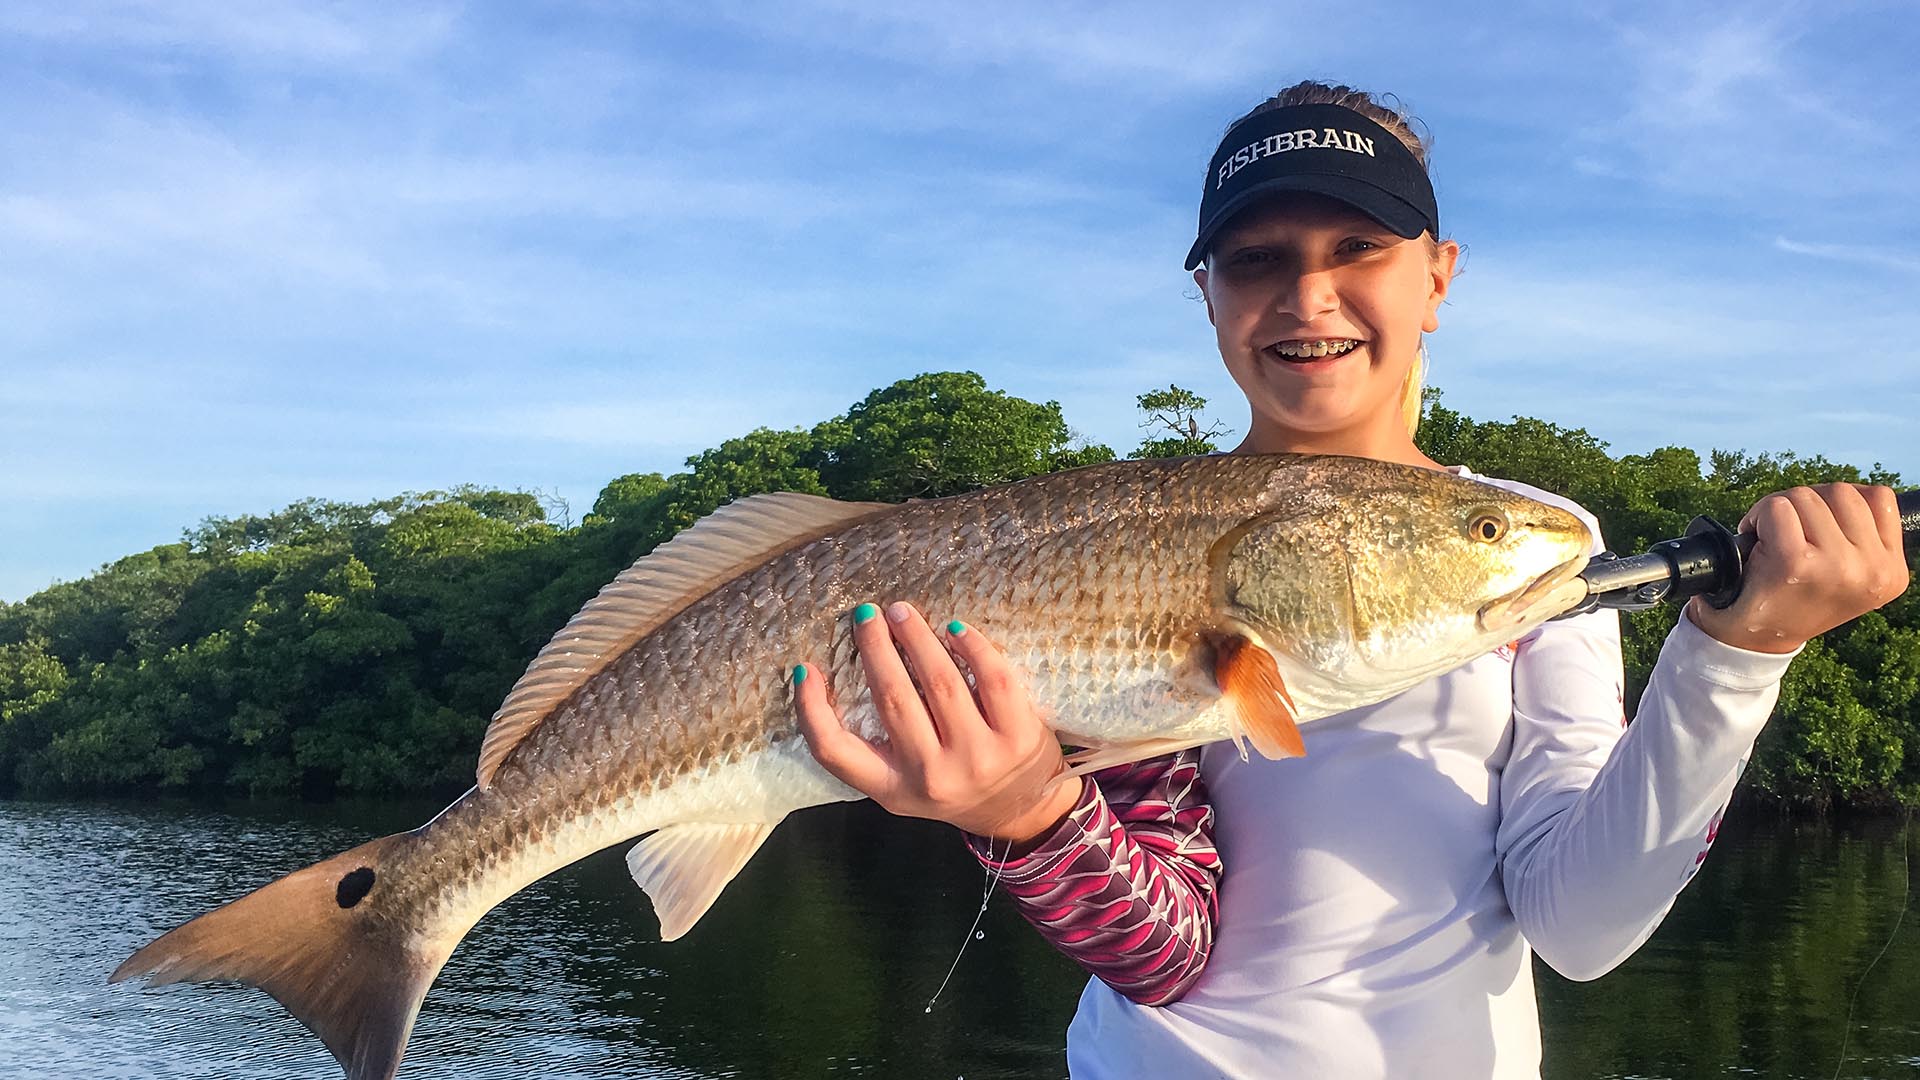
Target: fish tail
(318,942)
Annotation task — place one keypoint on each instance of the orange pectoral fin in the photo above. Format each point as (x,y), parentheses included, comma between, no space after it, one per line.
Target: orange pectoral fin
(1250,680)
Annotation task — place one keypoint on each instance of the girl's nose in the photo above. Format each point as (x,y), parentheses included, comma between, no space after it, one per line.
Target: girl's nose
(1310,295)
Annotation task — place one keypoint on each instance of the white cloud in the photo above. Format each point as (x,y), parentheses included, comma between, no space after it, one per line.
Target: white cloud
(1861,255)
(267,30)
(249,256)
(1132,49)
(1739,105)
(1645,354)
(672,424)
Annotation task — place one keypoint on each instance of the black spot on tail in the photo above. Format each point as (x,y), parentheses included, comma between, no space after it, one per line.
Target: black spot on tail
(354,887)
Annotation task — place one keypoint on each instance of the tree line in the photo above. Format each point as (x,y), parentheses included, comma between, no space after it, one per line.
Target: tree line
(359,648)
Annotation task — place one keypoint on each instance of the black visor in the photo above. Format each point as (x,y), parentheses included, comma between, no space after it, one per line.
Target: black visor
(1324,149)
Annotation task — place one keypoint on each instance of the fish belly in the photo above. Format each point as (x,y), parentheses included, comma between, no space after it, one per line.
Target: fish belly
(533,838)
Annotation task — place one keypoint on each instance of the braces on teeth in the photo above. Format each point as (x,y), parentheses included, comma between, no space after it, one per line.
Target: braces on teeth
(1314,348)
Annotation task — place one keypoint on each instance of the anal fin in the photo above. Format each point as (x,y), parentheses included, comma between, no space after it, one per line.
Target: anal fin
(683,868)
(1263,710)
(1095,758)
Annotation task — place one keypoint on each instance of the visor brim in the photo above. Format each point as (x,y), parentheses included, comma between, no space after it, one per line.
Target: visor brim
(1399,216)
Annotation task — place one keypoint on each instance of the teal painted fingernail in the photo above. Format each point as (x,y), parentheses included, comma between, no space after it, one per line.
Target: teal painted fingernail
(864,613)
(799,674)
(956,628)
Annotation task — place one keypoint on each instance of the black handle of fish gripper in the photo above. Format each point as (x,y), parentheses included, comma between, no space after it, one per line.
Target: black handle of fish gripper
(1709,560)
(1706,562)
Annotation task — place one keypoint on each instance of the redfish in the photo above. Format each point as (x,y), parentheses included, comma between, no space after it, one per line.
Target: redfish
(1150,605)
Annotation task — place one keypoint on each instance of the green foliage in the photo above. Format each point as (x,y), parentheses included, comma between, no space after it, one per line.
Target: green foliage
(361,647)
(941,434)
(761,461)
(627,497)
(1177,411)
(248,655)
(1849,707)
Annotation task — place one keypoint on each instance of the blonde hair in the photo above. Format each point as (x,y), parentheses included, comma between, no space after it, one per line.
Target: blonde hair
(1390,113)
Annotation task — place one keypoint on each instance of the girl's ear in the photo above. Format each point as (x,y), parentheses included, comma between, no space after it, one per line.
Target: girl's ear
(1440,274)
(1200,279)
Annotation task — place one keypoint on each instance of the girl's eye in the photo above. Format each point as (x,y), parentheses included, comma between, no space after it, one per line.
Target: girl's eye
(1357,244)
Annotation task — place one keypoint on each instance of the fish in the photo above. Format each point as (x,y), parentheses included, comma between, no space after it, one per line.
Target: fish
(1148,605)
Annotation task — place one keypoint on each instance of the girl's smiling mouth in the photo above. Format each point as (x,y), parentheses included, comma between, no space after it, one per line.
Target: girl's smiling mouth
(1301,351)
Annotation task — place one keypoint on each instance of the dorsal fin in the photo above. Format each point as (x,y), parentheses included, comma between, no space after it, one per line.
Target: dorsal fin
(709,553)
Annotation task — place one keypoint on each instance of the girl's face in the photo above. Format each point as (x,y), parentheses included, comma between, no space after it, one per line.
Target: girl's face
(1319,310)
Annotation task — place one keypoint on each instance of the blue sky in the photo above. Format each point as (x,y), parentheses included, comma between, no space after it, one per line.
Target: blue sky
(254,253)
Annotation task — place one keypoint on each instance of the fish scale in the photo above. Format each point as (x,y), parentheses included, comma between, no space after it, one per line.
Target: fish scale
(1061,668)
(1144,605)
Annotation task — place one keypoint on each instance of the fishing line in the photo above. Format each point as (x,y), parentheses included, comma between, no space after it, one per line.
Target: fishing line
(1906,879)
(974,933)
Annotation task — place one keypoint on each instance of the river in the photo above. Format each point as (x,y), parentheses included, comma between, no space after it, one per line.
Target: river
(821,958)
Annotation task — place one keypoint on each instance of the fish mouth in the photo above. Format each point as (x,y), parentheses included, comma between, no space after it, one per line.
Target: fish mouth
(1554,591)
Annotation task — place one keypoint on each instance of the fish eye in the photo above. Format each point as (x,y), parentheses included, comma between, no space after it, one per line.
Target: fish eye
(1487,526)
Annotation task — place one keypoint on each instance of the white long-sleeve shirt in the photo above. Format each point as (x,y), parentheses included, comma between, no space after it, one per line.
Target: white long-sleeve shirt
(1381,896)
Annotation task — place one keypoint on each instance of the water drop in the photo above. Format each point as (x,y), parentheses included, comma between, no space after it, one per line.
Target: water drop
(979,935)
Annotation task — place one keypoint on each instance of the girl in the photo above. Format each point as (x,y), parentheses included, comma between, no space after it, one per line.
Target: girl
(1369,909)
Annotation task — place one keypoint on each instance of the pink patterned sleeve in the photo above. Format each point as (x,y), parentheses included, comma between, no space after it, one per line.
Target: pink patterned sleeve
(1126,885)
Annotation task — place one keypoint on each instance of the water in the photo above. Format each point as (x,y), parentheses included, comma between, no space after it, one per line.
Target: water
(820,959)
(1752,972)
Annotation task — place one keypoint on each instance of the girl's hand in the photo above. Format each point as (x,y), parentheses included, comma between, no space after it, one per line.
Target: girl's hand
(977,758)
(1823,556)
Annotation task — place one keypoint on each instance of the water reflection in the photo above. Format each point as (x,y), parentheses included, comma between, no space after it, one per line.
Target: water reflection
(1752,972)
(820,959)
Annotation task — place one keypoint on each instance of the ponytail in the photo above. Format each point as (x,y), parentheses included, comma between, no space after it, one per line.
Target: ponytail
(1411,393)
